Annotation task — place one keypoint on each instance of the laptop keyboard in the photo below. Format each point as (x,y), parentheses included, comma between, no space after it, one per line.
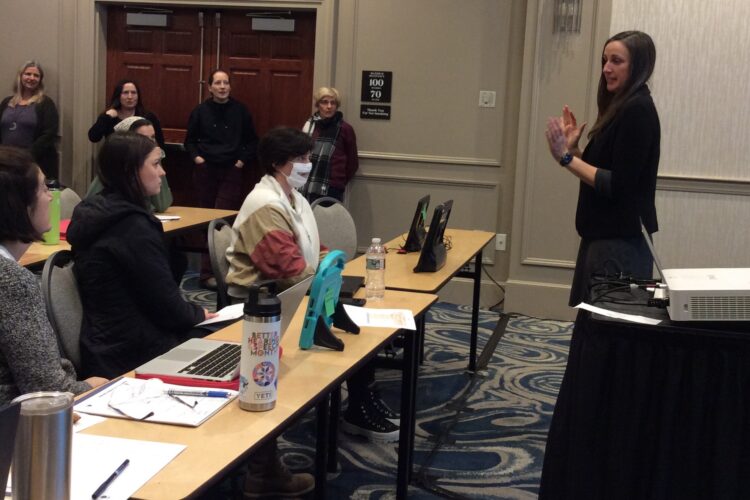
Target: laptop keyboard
(220,362)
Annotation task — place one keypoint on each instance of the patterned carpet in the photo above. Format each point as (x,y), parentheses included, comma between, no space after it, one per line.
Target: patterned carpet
(476,437)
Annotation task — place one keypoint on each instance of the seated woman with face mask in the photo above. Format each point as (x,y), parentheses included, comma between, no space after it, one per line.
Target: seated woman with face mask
(275,235)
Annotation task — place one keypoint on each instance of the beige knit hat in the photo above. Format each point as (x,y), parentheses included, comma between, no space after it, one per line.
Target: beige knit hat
(124,126)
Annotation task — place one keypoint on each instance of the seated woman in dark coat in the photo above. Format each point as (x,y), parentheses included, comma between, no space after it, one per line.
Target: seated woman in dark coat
(29,354)
(132,307)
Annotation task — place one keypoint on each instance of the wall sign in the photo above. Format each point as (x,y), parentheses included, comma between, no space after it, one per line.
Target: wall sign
(376,86)
(374,112)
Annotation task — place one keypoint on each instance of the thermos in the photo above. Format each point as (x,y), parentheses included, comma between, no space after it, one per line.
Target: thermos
(52,237)
(259,357)
(42,453)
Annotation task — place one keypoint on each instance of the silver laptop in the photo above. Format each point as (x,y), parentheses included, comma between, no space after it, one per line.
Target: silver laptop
(216,360)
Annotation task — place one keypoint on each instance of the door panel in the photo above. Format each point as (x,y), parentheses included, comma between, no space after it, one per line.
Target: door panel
(164,61)
(271,72)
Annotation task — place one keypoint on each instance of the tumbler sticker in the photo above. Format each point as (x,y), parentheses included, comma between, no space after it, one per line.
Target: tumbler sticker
(264,373)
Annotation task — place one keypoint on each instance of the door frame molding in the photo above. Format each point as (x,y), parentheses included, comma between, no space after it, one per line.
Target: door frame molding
(87,49)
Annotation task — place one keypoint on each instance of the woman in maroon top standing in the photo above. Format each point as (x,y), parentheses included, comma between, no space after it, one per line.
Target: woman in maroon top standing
(334,156)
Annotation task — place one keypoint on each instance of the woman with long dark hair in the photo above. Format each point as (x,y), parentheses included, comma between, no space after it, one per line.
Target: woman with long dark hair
(29,119)
(132,307)
(618,167)
(126,101)
(29,353)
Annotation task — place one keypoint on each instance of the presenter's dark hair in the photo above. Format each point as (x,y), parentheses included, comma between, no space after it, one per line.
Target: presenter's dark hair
(120,160)
(19,182)
(642,62)
(114,101)
(280,145)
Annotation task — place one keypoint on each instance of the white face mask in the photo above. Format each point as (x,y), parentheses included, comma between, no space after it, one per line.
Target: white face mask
(300,172)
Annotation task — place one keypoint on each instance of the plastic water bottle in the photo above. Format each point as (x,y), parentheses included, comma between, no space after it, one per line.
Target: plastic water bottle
(52,237)
(375,282)
(259,355)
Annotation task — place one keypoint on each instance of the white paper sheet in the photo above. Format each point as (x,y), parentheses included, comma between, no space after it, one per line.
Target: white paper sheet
(148,400)
(165,217)
(384,318)
(95,458)
(633,318)
(234,311)
(87,421)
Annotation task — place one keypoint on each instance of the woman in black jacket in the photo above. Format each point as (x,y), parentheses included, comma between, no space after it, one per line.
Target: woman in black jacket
(126,101)
(29,119)
(618,168)
(132,307)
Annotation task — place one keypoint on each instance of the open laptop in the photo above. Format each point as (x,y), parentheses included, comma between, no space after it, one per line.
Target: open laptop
(214,362)
(651,249)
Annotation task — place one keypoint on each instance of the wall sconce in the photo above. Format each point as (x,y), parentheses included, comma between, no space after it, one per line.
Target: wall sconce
(567,16)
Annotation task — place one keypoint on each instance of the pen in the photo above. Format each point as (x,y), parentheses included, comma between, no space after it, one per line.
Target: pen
(200,394)
(101,489)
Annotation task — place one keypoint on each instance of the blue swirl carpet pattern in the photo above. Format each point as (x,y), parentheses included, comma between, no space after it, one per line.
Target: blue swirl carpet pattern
(479,437)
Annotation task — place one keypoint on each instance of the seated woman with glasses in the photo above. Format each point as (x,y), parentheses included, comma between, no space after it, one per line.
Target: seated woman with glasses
(29,353)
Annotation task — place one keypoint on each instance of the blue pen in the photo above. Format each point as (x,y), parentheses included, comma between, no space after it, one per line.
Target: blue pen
(101,489)
(199,394)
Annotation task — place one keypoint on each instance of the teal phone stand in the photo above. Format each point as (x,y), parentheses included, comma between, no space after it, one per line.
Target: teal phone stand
(323,307)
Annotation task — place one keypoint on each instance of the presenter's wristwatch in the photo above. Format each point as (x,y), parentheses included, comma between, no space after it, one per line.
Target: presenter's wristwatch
(566,159)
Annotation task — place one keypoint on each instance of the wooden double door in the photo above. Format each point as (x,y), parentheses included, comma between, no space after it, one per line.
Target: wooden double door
(271,72)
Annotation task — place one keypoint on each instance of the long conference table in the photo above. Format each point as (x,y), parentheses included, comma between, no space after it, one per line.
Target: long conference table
(306,378)
(189,218)
(399,271)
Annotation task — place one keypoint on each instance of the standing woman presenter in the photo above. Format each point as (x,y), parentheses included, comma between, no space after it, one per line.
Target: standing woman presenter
(618,167)
(29,119)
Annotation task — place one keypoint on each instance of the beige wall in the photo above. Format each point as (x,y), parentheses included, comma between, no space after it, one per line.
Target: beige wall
(492,162)
(701,87)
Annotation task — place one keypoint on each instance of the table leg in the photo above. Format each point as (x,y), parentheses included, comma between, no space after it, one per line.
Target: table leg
(475,312)
(321,446)
(333,441)
(408,411)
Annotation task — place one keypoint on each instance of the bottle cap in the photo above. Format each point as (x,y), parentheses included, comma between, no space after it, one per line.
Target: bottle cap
(376,240)
(262,300)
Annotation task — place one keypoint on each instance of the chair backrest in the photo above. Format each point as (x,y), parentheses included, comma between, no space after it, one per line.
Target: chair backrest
(335,226)
(63,301)
(219,239)
(68,201)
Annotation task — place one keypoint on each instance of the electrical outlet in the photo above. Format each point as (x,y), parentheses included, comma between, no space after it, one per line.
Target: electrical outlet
(500,242)
(468,267)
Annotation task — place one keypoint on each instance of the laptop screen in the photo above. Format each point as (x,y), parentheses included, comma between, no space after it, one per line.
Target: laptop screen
(653,253)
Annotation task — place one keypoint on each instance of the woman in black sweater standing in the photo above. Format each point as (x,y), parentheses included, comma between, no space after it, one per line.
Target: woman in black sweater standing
(618,167)
(221,140)
(126,101)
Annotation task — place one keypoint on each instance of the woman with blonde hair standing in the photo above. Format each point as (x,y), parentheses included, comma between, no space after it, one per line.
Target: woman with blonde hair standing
(334,157)
(29,119)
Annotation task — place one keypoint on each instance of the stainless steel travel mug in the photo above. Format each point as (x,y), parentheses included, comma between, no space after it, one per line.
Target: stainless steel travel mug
(42,453)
